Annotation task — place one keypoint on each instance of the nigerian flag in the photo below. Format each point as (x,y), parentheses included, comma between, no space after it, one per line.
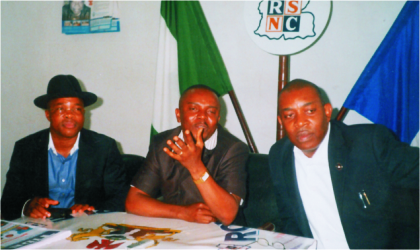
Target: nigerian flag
(187,55)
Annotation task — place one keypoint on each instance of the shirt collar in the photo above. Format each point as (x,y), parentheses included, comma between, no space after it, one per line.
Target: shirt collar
(210,143)
(75,146)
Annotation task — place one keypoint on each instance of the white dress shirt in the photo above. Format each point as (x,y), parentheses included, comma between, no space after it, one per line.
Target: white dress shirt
(210,143)
(316,191)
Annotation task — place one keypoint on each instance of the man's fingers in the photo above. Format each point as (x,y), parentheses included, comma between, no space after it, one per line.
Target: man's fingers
(81,208)
(172,155)
(45,212)
(203,209)
(76,208)
(48,202)
(205,216)
(205,219)
(180,142)
(38,207)
(39,212)
(189,139)
(204,212)
(84,207)
(203,205)
(199,138)
(173,146)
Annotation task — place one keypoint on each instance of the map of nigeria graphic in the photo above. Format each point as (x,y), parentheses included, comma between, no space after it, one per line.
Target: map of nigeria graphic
(285,19)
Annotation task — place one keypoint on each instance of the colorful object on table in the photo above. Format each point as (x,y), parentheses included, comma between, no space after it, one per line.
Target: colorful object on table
(113,232)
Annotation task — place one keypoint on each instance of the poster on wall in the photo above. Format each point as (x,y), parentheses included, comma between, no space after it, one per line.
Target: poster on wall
(85,17)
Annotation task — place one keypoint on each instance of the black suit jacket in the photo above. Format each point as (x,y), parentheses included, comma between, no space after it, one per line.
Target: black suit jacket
(373,161)
(100,175)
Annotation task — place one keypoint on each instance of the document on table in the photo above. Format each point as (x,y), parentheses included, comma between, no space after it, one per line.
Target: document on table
(17,235)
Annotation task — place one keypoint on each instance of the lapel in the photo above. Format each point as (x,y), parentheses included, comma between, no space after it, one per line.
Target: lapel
(41,165)
(289,177)
(337,162)
(85,163)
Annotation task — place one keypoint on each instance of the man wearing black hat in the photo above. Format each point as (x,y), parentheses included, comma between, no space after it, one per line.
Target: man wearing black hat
(65,166)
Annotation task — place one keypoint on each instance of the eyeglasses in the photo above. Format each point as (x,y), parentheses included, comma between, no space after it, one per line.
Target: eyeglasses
(265,243)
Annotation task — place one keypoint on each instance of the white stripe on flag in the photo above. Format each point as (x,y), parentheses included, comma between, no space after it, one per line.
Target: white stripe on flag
(415,142)
(167,85)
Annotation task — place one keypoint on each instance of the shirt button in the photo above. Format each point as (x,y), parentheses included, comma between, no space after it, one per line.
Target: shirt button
(63,180)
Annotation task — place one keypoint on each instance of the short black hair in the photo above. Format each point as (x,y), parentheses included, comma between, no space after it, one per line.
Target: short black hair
(300,84)
(200,86)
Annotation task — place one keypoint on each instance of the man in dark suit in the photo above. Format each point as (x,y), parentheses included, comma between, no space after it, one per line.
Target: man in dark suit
(65,166)
(201,171)
(345,186)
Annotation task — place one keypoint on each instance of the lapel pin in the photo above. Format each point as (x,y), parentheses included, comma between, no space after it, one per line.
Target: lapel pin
(339,166)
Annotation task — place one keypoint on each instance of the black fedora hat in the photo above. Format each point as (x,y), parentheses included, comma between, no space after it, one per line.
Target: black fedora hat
(64,86)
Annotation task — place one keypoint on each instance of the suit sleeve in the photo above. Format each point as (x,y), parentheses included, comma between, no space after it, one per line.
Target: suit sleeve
(289,224)
(148,178)
(15,194)
(114,179)
(232,173)
(400,160)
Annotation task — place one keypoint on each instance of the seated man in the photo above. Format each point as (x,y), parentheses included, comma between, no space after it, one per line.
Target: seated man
(200,174)
(345,186)
(65,166)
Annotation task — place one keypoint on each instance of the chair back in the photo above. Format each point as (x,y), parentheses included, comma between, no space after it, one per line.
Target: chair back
(260,204)
(132,163)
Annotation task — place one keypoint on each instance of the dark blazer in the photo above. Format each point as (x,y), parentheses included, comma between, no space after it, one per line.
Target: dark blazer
(162,175)
(372,160)
(100,175)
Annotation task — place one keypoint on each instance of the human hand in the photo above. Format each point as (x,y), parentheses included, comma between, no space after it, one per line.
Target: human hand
(188,153)
(80,208)
(198,212)
(37,207)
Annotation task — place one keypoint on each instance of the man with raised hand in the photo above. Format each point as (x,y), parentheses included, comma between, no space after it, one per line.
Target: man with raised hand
(198,168)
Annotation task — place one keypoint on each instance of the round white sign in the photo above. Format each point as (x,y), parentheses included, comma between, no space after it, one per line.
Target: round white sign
(284,27)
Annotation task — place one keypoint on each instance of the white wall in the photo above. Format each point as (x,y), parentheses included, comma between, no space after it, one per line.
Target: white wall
(120,67)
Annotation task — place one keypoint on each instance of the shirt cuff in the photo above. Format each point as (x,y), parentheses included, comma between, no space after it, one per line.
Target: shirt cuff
(24,207)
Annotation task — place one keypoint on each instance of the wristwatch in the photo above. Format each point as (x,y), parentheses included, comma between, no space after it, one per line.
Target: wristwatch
(202,179)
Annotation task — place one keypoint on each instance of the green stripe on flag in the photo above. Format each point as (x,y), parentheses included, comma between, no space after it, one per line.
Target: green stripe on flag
(153,132)
(199,59)
(187,56)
